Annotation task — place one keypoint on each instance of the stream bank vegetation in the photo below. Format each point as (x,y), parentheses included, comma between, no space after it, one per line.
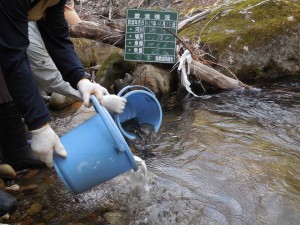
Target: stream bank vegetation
(216,33)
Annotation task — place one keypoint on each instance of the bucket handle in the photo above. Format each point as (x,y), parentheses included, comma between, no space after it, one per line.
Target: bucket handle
(109,124)
(134,86)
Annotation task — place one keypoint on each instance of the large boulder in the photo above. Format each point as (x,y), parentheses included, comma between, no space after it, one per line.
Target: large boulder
(253,38)
(114,67)
(157,79)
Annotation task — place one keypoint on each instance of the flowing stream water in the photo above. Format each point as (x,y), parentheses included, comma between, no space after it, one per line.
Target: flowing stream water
(228,158)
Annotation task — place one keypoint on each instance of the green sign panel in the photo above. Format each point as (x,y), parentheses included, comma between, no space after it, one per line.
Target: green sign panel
(148,38)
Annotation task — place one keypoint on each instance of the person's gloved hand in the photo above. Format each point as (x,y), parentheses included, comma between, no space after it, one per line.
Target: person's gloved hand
(87,88)
(114,103)
(44,141)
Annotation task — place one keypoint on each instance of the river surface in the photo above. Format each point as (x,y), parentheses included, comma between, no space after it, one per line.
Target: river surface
(226,158)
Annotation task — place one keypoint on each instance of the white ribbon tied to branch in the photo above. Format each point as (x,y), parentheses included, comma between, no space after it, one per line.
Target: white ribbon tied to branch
(186,57)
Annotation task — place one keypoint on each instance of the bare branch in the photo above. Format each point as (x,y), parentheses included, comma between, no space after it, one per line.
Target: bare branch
(194,19)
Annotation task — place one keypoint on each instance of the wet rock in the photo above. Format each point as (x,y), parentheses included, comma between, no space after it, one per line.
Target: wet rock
(43,189)
(27,221)
(5,217)
(21,172)
(157,79)
(34,209)
(75,224)
(113,217)
(12,188)
(49,216)
(113,67)
(8,203)
(30,187)
(93,218)
(119,84)
(30,174)
(6,171)
(24,218)
(67,216)
(2,183)
(58,101)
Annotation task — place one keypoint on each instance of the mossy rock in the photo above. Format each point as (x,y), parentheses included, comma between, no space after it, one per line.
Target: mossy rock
(91,52)
(113,67)
(269,71)
(256,25)
(253,38)
(86,51)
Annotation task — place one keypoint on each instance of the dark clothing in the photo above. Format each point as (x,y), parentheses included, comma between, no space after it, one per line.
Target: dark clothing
(4,94)
(14,63)
(14,147)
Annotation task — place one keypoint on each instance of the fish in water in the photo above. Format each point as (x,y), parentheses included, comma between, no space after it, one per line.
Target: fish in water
(144,133)
(140,130)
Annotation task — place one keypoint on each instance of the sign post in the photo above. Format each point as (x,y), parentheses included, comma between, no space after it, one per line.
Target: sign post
(148,38)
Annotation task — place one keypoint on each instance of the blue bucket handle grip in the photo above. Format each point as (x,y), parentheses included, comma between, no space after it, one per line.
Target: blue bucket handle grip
(134,86)
(109,124)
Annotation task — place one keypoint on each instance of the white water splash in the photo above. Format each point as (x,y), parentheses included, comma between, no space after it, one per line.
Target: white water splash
(138,180)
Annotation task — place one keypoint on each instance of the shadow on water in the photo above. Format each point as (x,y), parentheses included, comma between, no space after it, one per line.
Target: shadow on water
(227,158)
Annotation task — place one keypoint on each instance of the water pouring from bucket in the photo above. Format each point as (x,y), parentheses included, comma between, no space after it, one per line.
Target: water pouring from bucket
(97,152)
(142,108)
(138,181)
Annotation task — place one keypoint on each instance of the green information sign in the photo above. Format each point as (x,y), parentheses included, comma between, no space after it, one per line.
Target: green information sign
(148,38)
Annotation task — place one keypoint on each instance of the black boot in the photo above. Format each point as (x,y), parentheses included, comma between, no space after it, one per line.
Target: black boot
(8,203)
(14,147)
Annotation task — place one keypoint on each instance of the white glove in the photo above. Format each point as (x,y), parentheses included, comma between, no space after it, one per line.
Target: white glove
(44,141)
(87,88)
(114,103)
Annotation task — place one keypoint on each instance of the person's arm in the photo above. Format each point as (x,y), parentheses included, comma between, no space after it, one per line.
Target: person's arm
(54,30)
(20,82)
(43,68)
(48,77)
(14,63)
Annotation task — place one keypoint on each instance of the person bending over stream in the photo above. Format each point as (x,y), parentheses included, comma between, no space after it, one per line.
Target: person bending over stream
(19,93)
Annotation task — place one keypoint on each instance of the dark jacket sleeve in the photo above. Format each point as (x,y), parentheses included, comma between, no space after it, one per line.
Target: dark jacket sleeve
(14,63)
(55,33)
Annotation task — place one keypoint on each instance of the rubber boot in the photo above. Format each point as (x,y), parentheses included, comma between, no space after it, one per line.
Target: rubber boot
(8,203)
(15,149)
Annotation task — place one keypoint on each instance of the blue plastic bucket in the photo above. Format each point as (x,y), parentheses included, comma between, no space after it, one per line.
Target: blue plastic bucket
(97,152)
(142,106)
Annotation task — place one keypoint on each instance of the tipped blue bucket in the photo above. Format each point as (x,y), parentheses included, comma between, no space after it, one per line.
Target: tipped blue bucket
(141,106)
(97,152)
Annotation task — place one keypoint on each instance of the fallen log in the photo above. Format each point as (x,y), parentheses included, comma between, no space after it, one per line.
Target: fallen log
(215,78)
(106,31)
(113,33)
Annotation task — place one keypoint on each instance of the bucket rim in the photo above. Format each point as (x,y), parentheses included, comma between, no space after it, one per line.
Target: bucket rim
(135,86)
(117,116)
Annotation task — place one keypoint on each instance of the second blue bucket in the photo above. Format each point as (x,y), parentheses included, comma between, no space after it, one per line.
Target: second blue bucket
(141,106)
(97,152)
